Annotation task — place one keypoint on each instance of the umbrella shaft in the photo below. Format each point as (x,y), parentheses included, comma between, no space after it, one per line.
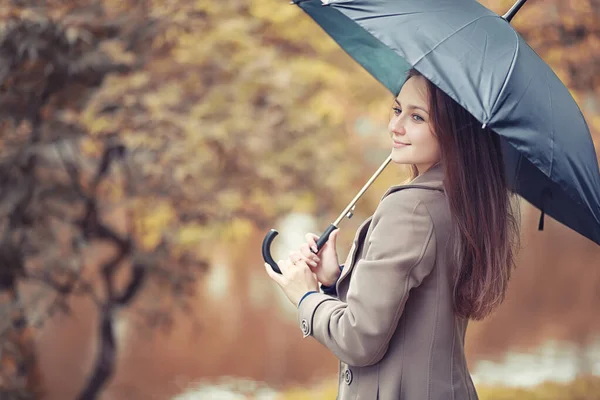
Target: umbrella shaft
(362,191)
(514,10)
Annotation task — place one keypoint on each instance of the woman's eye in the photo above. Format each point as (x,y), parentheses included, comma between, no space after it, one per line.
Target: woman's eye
(397,110)
(418,118)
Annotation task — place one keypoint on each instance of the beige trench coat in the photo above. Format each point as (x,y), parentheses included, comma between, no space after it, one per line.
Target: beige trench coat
(392,324)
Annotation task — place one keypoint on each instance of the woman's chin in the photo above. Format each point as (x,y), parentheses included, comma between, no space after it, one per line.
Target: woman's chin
(399,159)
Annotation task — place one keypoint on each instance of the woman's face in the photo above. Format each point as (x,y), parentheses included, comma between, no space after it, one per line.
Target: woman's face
(413,139)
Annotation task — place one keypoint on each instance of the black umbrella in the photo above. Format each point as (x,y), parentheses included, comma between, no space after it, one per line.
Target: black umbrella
(478,59)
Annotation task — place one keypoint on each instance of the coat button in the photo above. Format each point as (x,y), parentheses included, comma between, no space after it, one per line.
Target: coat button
(348,376)
(305,329)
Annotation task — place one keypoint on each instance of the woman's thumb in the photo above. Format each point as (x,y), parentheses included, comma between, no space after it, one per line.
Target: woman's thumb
(333,236)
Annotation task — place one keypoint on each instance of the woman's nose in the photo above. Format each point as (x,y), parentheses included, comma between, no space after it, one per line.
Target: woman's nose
(397,126)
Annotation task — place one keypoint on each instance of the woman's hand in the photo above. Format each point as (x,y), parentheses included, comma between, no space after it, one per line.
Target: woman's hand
(296,279)
(326,267)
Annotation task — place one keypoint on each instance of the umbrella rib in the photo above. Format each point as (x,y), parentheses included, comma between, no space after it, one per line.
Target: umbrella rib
(366,18)
(488,118)
(517,102)
(506,79)
(452,34)
(552,127)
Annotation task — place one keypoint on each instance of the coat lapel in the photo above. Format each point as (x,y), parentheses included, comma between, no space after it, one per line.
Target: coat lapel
(432,178)
(349,264)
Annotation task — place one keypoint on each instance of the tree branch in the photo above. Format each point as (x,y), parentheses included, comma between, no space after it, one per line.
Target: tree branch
(105,361)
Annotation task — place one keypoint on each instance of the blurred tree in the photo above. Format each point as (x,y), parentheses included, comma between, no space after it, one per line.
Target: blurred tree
(51,198)
(158,129)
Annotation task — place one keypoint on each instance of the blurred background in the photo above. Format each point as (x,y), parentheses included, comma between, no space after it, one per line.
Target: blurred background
(147,146)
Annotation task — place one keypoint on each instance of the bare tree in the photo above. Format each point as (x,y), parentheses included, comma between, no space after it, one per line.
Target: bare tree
(50,193)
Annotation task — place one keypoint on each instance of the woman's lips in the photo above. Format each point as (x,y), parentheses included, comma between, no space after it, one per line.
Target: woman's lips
(398,145)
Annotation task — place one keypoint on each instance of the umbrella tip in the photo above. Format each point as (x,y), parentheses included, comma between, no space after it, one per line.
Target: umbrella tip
(513,10)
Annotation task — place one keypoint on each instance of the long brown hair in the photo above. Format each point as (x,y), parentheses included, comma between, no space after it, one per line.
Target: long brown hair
(481,204)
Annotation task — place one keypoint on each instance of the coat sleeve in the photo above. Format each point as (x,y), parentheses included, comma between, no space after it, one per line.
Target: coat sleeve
(400,255)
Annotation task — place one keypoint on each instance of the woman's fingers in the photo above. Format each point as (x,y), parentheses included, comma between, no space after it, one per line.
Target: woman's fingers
(295,256)
(274,275)
(302,255)
(308,255)
(287,270)
(284,266)
(311,236)
(311,239)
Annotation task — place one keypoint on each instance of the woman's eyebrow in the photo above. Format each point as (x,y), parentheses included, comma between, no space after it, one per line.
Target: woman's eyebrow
(412,106)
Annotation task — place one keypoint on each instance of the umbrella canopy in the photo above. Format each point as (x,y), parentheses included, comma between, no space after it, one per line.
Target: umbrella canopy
(478,59)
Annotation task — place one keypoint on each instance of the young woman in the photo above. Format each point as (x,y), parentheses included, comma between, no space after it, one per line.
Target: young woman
(436,253)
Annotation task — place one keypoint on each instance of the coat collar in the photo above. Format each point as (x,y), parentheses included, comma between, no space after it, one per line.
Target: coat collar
(433,177)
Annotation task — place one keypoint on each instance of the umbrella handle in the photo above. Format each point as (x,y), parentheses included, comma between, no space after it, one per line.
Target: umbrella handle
(347,213)
(266,250)
(270,236)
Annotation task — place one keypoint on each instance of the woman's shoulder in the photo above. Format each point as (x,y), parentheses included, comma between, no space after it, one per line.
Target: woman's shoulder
(424,201)
(411,195)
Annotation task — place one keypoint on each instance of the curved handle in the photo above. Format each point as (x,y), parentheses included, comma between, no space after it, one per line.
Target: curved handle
(270,236)
(266,250)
